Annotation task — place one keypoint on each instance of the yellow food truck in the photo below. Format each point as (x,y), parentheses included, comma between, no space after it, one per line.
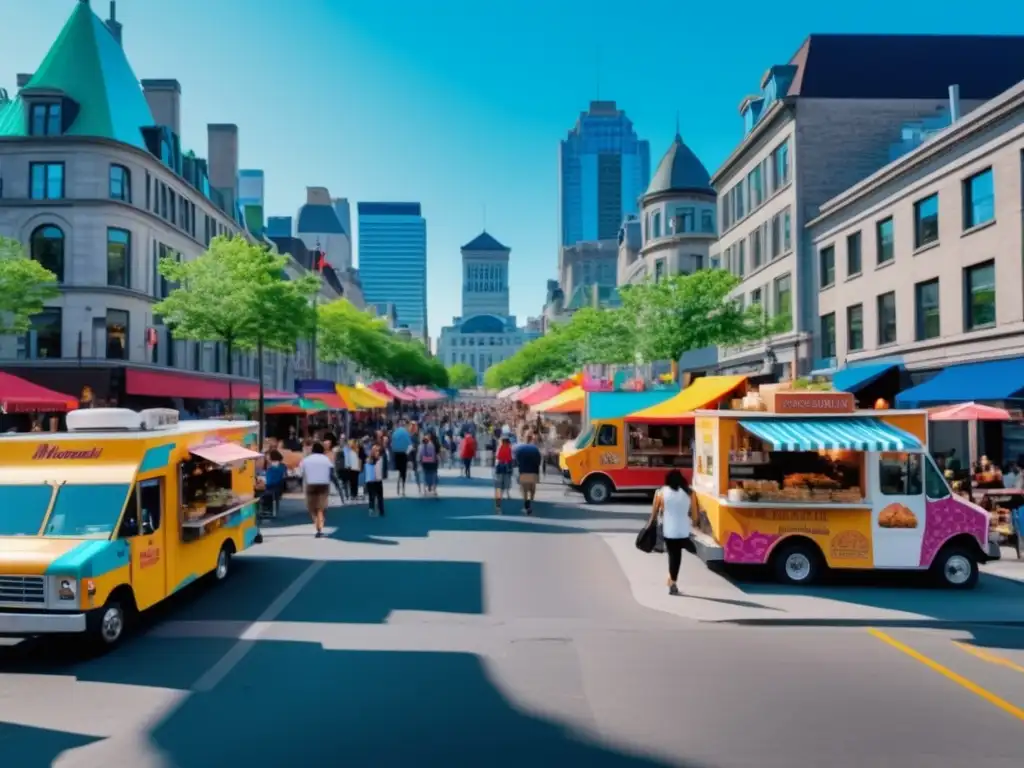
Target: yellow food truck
(113,516)
(807,483)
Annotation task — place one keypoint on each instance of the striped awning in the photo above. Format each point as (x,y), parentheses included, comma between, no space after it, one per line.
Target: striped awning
(857,434)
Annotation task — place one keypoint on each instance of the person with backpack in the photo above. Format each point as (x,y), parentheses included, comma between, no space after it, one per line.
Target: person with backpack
(428,460)
(502,471)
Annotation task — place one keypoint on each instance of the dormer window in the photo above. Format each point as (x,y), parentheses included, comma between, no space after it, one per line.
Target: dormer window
(45,119)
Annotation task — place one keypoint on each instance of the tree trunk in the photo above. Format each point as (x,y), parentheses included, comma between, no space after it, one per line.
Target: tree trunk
(260,417)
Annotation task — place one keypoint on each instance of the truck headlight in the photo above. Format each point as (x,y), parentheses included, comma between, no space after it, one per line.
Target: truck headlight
(67,589)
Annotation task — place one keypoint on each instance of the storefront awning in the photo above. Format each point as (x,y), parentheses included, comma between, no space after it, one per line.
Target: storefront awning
(146,383)
(990,381)
(224,453)
(701,394)
(569,401)
(20,396)
(361,398)
(859,376)
(858,434)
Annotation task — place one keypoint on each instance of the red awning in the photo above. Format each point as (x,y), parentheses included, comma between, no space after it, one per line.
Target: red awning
(20,396)
(187,385)
(224,453)
(389,389)
(332,400)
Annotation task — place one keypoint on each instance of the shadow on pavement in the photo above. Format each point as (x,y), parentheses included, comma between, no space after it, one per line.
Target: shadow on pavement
(28,747)
(380,709)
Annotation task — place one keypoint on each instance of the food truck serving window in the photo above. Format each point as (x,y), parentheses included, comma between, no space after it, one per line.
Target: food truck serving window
(23,508)
(87,510)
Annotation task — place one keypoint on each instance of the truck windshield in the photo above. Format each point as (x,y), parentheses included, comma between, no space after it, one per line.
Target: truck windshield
(583,440)
(22,509)
(87,511)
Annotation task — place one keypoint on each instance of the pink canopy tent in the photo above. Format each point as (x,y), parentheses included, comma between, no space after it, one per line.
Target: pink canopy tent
(527,391)
(424,394)
(386,388)
(544,392)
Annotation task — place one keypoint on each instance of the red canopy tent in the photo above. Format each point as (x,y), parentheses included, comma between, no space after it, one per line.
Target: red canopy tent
(386,388)
(424,394)
(545,391)
(20,396)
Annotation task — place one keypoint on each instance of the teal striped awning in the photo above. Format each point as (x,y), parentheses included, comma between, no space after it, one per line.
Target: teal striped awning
(858,434)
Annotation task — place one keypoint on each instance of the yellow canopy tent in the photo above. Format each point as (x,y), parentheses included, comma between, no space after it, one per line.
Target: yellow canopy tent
(362,399)
(702,393)
(569,401)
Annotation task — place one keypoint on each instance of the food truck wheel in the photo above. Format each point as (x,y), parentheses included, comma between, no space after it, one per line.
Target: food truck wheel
(956,568)
(108,625)
(597,490)
(223,569)
(797,563)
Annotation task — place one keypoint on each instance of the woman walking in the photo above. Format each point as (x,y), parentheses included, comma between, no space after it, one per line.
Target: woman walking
(428,459)
(502,471)
(374,469)
(677,505)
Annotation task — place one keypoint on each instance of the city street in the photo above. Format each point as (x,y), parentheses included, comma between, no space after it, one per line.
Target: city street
(444,635)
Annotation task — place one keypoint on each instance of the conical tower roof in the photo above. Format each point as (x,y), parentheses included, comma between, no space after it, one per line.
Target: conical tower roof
(680,170)
(89,66)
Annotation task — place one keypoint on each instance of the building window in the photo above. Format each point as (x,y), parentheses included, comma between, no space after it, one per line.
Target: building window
(885,241)
(980,301)
(853,264)
(755,248)
(657,224)
(119,257)
(827,266)
(780,164)
(117,334)
(707,222)
(741,268)
(46,181)
(979,199)
(787,241)
(44,338)
(659,270)
(783,301)
(45,120)
(755,297)
(163,201)
(926,310)
(47,247)
(855,328)
(149,195)
(887,319)
(926,221)
(776,236)
(756,188)
(828,335)
(120,183)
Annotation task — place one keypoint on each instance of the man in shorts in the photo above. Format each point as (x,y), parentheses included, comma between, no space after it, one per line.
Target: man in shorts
(528,459)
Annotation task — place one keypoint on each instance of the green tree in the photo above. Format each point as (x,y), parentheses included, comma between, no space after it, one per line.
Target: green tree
(688,312)
(600,336)
(461,376)
(237,293)
(25,285)
(347,333)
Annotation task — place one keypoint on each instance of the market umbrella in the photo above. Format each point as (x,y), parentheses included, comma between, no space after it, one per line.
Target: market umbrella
(972,413)
(299,406)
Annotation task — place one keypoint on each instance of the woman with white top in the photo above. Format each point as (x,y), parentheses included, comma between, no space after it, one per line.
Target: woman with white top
(677,506)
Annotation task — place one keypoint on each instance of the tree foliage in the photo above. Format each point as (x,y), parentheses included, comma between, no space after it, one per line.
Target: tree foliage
(461,376)
(237,293)
(25,285)
(657,321)
(348,333)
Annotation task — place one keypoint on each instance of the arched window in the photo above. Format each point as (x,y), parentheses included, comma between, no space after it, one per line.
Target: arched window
(47,247)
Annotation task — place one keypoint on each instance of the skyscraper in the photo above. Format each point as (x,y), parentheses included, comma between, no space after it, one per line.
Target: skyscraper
(603,168)
(393,260)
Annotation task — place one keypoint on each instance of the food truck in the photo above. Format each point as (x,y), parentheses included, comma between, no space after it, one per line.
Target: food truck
(633,453)
(806,483)
(112,517)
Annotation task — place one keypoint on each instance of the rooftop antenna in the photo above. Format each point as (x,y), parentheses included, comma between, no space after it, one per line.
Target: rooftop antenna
(483,207)
(678,135)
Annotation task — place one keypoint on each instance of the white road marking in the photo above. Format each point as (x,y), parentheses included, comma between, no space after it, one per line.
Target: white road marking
(215,674)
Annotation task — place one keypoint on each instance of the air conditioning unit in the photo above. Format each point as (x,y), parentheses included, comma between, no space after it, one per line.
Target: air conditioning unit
(104,420)
(159,418)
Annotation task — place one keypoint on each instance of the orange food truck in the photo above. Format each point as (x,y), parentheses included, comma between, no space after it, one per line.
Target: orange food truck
(806,483)
(632,454)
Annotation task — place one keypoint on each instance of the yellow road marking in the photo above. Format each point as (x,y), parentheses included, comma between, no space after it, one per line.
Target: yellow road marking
(949,674)
(991,658)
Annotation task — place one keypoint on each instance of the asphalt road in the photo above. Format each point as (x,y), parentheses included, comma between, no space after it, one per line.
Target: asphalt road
(444,635)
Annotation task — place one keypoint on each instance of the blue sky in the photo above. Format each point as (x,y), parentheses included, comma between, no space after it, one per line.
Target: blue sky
(460,105)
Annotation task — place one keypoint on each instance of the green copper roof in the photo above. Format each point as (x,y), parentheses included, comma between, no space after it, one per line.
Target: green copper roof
(89,66)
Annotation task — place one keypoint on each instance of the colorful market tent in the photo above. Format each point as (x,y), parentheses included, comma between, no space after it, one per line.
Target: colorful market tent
(324,391)
(20,396)
(425,394)
(507,392)
(616,405)
(704,392)
(300,406)
(545,391)
(568,401)
(528,390)
(392,391)
(361,399)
